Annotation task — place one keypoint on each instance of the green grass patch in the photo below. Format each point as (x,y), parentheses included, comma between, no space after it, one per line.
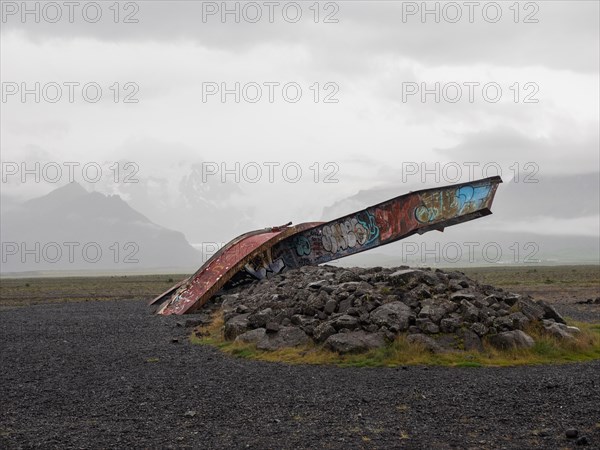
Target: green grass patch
(547,350)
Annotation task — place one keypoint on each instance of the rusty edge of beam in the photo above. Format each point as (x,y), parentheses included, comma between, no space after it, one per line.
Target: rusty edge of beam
(214,257)
(284,232)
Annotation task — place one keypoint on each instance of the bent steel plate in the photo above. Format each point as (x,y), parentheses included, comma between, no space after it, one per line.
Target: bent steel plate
(194,292)
(398,218)
(271,250)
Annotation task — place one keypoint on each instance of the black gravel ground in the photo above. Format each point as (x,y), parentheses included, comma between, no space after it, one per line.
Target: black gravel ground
(107,375)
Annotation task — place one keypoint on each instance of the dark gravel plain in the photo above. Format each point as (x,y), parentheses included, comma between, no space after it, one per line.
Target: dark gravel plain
(106,374)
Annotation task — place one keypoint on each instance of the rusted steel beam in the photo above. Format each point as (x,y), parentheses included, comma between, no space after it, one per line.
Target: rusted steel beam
(270,251)
(395,219)
(191,294)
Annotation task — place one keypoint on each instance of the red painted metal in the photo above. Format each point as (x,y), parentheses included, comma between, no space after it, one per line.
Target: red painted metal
(162,297)
(212,276)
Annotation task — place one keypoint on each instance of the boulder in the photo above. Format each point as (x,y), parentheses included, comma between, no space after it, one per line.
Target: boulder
(403,276)
(354,342)
(259,319)
(303,321)
(317,284)
(469,311)
(252,336)
(429,343)
(519,320)
(531,309)
(427,326)
(202,319)
(511,339)
(421,292)
(272,327)
(285,337)
(434,313)
(560,330)
(479,329)
(429,279)
(348,276)
(323,331)
(450,324)
(344,321)
(236,326)
(551,313)
(504,323)
(344,305)
(458,296)
(330,307)
(393,314)
(510,299)
(470,340)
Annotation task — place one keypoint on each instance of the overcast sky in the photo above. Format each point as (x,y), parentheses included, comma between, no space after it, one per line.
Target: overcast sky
(515,86)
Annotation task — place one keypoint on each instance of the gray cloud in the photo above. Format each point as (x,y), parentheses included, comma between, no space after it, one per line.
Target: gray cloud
(566,36)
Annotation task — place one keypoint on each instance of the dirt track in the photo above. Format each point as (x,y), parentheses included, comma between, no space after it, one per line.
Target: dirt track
(106,374)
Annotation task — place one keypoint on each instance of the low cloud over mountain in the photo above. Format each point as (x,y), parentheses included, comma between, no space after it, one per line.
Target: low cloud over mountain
(72,229)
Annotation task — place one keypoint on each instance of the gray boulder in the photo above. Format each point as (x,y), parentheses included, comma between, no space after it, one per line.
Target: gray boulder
(285,337)
(403,276)
(560,330)
(394,314)
(458,296)
(317,284)
(354,342)
(469,312)
(450,324)
(531,309)
(511,339)
(432,312)
(519,320)
(330,307)
(510,299)
(252,336)
(479,329)
(259,319)
(344,321)
(429,343)
(427,326)
(323,331)
(236,326)
(470,340)
(551,313)
(503,323)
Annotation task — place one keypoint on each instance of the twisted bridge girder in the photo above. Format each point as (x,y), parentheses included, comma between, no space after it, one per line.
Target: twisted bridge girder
(271,250)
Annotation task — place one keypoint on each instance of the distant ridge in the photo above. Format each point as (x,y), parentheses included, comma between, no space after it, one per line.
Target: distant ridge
(70,217)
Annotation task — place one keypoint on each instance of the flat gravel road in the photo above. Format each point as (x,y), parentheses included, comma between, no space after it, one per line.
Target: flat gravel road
(106,374)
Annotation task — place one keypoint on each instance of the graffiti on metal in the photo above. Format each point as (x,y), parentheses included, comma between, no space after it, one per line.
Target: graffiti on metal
(387,222)
(265,252)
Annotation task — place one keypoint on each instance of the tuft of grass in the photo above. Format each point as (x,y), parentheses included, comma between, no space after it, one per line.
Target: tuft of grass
(547,350)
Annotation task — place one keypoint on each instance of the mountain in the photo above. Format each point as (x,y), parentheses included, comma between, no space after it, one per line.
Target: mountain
(71,229)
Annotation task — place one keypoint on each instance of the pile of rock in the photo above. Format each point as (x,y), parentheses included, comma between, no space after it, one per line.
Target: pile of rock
(354,310)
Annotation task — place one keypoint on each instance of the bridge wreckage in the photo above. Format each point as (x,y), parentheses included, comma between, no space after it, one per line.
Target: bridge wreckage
(258,254)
